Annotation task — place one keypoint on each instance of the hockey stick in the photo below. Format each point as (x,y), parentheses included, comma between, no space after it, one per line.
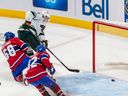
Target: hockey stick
(72,70)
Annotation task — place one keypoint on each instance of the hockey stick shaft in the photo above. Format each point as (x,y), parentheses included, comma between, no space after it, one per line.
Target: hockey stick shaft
(72,70)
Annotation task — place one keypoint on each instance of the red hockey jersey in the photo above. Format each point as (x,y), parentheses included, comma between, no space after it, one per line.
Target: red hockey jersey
(37,70)
(14,51)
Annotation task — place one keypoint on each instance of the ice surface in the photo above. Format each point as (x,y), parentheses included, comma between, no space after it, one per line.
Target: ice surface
(73,47)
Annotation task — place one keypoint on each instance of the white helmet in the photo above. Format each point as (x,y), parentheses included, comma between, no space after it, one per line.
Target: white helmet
(32,15)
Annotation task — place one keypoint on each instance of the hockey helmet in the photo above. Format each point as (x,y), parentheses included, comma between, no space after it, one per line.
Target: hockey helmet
(33,15)
(30,15)
(9,35)
(40,48)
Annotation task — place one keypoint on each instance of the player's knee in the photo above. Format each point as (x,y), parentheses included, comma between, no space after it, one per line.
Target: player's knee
(51,85)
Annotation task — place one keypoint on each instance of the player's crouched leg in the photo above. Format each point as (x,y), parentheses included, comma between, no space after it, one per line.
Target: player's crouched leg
(50,83)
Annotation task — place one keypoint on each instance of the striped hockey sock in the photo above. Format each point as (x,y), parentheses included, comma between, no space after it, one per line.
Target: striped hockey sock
(58,91)
(42,90)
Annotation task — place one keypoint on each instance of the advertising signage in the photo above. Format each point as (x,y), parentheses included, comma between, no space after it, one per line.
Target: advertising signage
(61,5)
(98,10)
(126,10)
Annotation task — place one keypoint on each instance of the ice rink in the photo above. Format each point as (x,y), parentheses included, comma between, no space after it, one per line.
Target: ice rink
(73,46)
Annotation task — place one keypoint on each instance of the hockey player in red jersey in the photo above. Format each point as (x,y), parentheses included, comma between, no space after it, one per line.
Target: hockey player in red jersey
(36,73)
(15,52)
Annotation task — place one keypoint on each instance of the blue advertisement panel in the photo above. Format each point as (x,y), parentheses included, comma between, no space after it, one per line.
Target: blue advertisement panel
(126,10)
(61,5)
(97,9)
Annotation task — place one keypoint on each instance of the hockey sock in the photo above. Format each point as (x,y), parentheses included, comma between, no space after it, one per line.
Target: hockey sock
(42,90)
(58,91)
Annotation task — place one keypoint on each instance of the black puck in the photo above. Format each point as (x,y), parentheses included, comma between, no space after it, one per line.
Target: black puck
(113,80)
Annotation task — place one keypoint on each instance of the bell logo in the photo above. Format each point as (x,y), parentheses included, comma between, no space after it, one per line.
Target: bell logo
(98,10)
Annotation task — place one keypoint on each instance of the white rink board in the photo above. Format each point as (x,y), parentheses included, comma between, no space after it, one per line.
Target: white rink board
(75,8)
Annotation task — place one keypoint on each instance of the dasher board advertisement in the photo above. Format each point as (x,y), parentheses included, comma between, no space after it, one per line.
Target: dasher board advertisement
(61,5)
(126,10)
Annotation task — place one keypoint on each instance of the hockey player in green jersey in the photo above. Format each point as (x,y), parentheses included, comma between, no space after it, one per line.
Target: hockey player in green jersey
(32,30)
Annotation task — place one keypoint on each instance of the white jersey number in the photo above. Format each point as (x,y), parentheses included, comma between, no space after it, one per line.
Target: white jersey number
(9,51)
(32,62)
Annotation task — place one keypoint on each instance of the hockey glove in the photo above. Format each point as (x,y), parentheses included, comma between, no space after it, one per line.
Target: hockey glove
(52,70)
(45,42)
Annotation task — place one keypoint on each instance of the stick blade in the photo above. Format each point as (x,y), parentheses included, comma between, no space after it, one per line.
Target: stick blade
(74,70)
